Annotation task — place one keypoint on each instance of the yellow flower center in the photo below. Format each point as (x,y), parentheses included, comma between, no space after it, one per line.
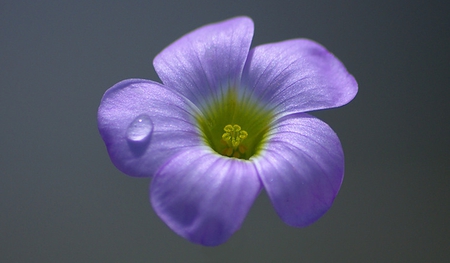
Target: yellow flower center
(220,123)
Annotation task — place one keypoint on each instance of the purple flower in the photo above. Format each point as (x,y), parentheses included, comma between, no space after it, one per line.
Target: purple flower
(226,122)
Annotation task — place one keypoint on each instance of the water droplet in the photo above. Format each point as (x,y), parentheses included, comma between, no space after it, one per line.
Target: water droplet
(140,129)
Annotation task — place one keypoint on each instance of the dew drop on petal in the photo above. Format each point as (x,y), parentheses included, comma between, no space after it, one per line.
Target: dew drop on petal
(140,129)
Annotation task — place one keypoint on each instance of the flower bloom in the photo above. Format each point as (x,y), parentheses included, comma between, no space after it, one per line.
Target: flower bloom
(226,122)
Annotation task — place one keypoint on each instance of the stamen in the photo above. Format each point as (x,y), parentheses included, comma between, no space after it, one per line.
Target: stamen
(233,137)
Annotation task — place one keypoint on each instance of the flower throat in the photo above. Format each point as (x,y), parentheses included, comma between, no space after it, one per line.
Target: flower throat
(234,128)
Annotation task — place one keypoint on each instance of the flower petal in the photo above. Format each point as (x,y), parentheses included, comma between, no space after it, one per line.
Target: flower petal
(143,123)
(204,197)
(301,167)
(202,62)
(297,76)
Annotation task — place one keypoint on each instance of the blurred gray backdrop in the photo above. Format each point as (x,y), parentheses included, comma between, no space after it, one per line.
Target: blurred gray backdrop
(61,199)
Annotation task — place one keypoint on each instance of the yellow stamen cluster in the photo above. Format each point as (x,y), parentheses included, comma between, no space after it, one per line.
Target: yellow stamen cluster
(232,138)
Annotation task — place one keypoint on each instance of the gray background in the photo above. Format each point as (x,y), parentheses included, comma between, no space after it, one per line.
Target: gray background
(61,199)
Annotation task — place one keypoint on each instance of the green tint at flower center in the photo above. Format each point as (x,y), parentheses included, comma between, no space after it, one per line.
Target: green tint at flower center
(235,128)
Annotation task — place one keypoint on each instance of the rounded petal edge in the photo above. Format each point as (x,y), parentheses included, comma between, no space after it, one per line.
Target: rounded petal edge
(207,60)
(297,75)
(302,168)
(204,197)
(143,124)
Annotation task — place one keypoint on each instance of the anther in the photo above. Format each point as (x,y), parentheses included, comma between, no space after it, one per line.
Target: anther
(233,137)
